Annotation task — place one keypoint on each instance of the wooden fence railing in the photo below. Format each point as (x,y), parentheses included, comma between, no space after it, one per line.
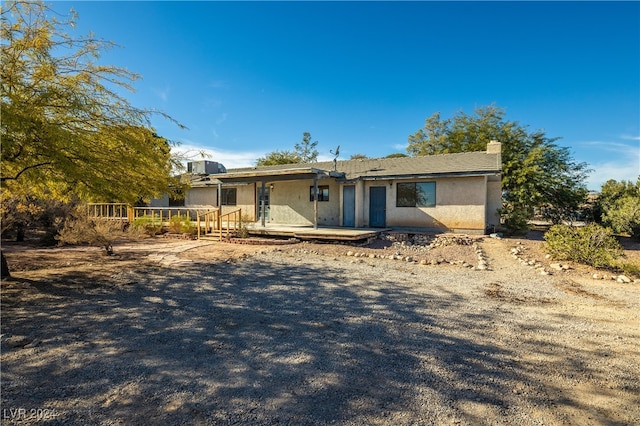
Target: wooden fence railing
(209,221)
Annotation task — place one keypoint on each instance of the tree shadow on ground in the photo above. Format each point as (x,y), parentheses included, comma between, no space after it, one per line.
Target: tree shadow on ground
(257,342)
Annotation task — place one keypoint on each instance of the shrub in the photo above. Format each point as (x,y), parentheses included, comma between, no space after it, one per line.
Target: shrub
(20,214)
(629,268)
(188,227)
(147,225)
(80,228)
(181,225)
(175,224)
(591,245)
(624,216)
(243,231)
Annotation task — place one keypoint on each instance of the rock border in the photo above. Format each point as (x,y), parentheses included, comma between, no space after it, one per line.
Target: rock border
(432,242)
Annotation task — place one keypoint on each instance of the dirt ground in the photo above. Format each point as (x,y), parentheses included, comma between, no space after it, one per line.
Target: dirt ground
(200,332)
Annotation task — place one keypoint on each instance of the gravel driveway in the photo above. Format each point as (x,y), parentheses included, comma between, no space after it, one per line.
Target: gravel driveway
(290,338)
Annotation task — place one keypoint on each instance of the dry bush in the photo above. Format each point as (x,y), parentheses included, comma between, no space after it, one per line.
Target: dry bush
(81,228)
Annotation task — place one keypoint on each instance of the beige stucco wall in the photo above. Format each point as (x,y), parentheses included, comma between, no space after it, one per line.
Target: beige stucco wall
(245,200)
(196,197)
(206,197)
(460,205)
(290,203)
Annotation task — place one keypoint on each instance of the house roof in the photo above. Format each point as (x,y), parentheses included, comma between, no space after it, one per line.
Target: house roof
(466,163)
(478,163)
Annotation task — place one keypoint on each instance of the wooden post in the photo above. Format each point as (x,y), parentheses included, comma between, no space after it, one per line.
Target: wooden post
(263,213)
(315,202)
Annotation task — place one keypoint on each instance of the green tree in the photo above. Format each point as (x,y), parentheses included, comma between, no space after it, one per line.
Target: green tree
(358,157)
(432,139)
(304,152)
(306,149)
(396,155)
(66,130)
(536,172)
(279,157)
(618,207)
(610,192)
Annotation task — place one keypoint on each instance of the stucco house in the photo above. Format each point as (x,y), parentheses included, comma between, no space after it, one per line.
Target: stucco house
(450,192)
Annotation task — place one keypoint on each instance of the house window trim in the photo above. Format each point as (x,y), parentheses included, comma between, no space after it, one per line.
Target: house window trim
(323,193)
(429,204)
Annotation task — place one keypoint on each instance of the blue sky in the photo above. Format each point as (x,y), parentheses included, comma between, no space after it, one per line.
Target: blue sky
(248,78)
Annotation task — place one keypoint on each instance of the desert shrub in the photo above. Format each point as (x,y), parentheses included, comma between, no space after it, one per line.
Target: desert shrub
(181,225)
(188,227)
(175,224)
(81,228)
(628,268)
(590,245)
(147,225)
(22,214)
(243,231)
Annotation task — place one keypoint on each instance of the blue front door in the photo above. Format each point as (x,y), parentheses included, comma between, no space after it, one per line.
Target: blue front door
(377,206)
(349,205)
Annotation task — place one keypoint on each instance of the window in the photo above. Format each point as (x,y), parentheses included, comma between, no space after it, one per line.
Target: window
(416,194)
(176,198)
(323,193)
(228,196)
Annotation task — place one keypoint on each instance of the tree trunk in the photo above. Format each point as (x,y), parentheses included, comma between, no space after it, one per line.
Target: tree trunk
(20,234)
(5,268)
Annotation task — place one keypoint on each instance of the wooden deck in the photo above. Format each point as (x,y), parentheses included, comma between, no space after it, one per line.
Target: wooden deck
(309,233)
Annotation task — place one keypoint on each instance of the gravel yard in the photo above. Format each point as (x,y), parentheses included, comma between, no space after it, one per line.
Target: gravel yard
(188,332)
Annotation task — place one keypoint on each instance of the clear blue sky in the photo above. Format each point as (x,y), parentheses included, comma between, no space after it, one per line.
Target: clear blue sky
(248,78)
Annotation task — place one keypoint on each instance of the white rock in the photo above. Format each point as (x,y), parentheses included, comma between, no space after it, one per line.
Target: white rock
(623,279)
(556,266)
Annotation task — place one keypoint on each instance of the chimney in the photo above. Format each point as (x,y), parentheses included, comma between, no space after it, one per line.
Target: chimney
(495,147)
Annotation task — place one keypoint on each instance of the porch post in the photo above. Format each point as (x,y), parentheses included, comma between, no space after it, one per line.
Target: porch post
(219,195)
(262,211)
(315,201)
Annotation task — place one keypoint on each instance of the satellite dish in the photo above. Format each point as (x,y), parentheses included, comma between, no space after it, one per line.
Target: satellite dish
(335,159)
